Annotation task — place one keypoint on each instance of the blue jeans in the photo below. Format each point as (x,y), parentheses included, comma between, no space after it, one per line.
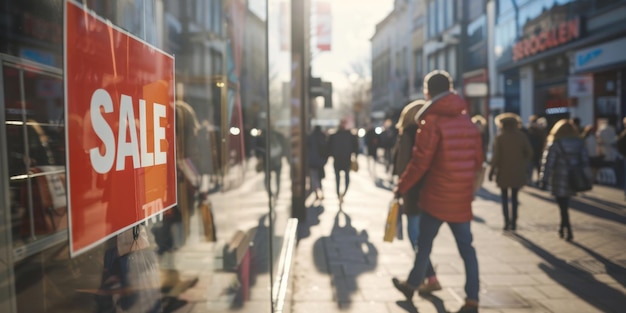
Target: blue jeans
(413,231)
(429,226)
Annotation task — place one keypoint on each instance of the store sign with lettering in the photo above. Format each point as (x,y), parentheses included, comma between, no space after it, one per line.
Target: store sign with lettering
(605,55)
(119,129)
(561,34)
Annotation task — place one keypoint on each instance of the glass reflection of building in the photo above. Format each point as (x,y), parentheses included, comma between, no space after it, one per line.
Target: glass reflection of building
(219,247)
(542,48)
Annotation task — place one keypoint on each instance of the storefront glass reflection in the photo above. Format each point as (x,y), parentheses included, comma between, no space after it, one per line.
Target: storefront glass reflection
(216,249)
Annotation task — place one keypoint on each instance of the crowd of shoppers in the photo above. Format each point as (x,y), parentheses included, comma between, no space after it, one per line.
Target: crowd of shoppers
(512,153)
(439,148)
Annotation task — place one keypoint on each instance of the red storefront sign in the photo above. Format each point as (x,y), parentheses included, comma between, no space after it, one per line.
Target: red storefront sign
(119,129)
(548,39)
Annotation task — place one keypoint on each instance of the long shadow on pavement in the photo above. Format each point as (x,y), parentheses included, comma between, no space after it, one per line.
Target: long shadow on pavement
(347,253)
(611,204)
(407,306)
(411,308)
(589,289)
(488,195)
(383,184)
(616,271)
(313,213)
(584,207)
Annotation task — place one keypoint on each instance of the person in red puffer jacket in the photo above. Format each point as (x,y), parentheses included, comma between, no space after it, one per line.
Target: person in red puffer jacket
(447,156)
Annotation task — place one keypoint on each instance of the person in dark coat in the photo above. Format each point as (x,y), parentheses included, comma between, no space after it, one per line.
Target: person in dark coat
(564,147)
(537,136)
(317,156)
(511,155)
(343,147)
(387,142)
(407,128)
(372,142)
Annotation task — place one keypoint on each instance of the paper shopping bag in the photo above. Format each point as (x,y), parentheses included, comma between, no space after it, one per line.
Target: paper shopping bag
(208,222)
(392,221)
(354,165)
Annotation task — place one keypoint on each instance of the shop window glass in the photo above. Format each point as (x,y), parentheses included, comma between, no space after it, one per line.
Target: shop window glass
(441,61)
(601,4)
(216,249)
(432,62)
(451,56)
(475,9)
(476,31)
(418,70)
(449,11)
(441,15)
(432,19)
(504,6)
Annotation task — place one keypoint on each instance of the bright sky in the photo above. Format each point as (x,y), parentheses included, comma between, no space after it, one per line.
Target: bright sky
(353,24)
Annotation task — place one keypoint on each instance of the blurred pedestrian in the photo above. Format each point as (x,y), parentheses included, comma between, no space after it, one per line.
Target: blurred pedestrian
(607,135)
(343,147)
(447,155)
(537,135)
(271,149)
(565,147)
(317,147)
(407,128)
(481,123)
(371,141)
(512,153)
(387,142)
(591,145)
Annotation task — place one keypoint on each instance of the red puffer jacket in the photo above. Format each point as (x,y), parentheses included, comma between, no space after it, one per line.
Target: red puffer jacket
(447,154)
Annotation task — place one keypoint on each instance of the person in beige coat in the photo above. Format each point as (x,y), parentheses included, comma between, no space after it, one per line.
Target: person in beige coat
(512,153)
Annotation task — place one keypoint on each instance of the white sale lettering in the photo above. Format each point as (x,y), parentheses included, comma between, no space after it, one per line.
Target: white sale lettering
(138,150)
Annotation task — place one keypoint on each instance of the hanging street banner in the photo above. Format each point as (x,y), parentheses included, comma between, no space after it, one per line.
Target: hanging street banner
(119,109)
(324,26)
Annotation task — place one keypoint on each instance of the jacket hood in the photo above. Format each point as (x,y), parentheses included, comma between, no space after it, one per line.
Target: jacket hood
(448,104)
(508,121)
(407,117)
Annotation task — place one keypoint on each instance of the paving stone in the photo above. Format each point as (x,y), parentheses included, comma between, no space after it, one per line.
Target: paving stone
(531,270)
(569,306)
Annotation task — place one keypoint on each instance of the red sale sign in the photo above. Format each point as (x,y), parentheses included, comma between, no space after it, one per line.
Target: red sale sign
(119,129)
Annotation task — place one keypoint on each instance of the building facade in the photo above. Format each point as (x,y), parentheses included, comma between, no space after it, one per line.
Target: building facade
(559,59)
(392,61)
(474,54)
(442,34)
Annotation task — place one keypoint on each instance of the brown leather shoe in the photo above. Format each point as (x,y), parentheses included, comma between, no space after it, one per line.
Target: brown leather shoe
(428,288)
(404,288)
(468,308)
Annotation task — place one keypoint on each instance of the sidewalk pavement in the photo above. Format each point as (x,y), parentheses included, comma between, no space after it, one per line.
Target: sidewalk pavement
(343,265)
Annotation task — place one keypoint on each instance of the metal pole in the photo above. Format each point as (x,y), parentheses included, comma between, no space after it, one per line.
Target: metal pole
(298,102)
